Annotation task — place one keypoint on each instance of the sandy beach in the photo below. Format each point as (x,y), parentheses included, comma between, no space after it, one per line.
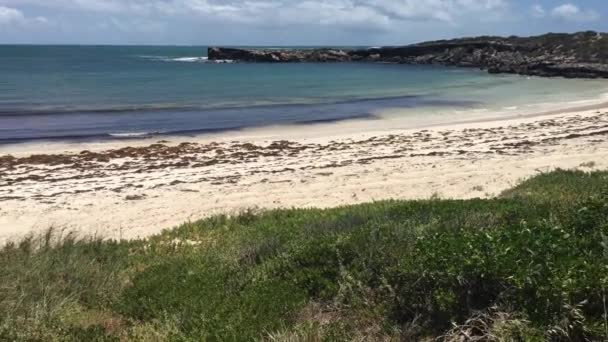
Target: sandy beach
(136,188)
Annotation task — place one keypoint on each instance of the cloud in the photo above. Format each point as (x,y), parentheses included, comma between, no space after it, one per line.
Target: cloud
(138,26)
(10,16)
(346,13)
(14,17)
(571,12)
(538,11)
(433,10)
(298,20)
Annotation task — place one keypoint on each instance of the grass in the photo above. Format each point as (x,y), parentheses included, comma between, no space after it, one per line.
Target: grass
(529,265)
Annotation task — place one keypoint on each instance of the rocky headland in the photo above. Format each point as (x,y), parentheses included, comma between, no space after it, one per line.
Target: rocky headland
(578,55)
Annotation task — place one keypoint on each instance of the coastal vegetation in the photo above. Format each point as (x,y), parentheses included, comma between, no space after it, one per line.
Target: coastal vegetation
(528,265)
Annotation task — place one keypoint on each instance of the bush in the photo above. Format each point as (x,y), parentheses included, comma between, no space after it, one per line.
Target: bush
(529,265)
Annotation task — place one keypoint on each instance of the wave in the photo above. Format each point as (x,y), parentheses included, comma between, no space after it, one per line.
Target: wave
(173,107)
(132,135)
(104,126)
(81,137)
(190,59)
(62,110)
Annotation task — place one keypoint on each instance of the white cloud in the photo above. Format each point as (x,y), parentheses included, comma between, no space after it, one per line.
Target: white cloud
(538,11)
(350,13)
(14,17)
(572,12)
(440,10)
(10,16)
(139,26)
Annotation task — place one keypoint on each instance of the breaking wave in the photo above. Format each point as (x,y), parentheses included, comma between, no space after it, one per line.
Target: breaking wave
(190,59)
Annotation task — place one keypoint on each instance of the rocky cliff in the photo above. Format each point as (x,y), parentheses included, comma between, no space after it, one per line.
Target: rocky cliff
(579,55)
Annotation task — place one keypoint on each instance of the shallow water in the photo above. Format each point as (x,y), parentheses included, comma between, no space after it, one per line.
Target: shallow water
(76,92)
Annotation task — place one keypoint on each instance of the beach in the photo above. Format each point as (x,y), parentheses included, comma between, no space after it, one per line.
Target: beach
(129,189)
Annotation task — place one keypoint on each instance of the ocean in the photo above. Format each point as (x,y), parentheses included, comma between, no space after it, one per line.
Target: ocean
(118,92)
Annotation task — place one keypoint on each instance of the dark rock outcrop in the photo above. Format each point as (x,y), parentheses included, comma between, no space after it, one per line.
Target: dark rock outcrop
(279,56)
(579,55)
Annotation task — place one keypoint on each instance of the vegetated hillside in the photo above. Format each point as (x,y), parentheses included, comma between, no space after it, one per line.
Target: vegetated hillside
(587,46)
(578,55)
(530,265)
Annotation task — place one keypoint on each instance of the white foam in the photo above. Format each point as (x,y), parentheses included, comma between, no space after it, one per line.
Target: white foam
(132,134)
(189,59)
(221,61)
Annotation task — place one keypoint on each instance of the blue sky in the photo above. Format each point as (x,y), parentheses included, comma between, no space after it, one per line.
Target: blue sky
(287,22)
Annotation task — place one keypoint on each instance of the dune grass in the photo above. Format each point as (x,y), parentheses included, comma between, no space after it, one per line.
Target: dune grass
(529,265)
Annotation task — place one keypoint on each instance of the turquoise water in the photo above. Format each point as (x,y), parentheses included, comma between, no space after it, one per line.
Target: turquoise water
(78,92)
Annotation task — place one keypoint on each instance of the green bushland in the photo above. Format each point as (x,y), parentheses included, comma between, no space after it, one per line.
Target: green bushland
(529,265)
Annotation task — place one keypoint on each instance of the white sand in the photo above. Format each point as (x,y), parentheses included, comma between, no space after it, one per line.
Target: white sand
(151,189)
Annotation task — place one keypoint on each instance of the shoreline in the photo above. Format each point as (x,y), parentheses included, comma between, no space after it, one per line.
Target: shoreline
(129,190)
(421,109)
(348,128)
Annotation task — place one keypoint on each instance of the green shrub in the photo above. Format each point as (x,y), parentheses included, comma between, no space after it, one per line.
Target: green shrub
(209,299)
(387,270)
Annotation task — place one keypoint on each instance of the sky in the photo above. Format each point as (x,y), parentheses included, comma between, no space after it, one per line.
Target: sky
(287,22)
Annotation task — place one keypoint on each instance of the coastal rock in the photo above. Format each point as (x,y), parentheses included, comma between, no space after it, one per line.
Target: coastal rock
(578,55)
(279,56)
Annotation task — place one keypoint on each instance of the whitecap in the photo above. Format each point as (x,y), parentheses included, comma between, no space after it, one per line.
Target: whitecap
(222,61)
(189,59)
(132,134)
